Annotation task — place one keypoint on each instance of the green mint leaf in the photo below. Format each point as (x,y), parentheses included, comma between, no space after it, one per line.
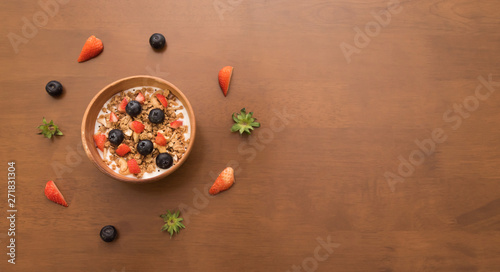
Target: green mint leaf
(244,122)
(49,129)
(172,222)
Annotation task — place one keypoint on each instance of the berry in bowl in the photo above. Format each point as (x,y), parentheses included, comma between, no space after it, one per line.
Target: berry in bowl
(138,129)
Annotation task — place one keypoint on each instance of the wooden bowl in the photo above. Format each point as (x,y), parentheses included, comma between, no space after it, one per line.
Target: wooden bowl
(94,109)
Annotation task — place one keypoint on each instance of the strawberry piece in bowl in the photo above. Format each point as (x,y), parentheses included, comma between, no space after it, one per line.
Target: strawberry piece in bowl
(100,140)
(122,150)
(162,100)
(137,126)
(176,124)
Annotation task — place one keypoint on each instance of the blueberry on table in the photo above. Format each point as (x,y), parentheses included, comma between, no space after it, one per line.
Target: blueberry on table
(157,41)
(145,147)
(133,108)
(164,160)
(156,116)
(54,88)
(116,137)
(108,233)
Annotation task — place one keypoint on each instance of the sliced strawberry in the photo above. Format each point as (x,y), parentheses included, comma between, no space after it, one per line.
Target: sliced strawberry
(162,100)
(123,104)
(140,97)
(133,167)
(122,150)
(176,124)
(92,47)
(160,139)
(113,118)
(53,194)
(225,78)
(99,140)
(137,126)
(223,182)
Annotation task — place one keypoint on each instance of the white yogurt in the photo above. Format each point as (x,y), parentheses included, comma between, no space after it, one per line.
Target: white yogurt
(158,171)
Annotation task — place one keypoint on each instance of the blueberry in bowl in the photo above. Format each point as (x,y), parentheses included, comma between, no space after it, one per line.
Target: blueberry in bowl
(145,147)
(116,136)
(156,116)
(133,108)
(164,160)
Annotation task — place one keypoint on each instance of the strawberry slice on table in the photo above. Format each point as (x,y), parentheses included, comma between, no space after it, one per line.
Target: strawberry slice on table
(140,98)
(122,150)
(53,194)
(176,124)
(160,139)
(123,104)
(133,167)
(92,47)
(99,140)
(162,100)
(113,118)
(225,78)
(137,126)
(223,182)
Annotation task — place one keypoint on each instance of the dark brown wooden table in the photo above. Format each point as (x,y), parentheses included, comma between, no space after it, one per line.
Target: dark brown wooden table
(379,148)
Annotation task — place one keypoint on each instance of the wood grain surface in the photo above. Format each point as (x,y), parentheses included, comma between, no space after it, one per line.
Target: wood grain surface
(311,192)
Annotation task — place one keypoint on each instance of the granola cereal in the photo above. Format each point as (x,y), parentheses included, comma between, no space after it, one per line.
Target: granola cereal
(174,128)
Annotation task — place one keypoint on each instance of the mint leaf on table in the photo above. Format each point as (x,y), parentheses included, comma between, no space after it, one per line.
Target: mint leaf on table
(244,122)
(49,129)
(172,222)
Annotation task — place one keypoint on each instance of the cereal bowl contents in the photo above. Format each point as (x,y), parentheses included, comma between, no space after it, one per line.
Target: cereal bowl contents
(151,124)
(136,132)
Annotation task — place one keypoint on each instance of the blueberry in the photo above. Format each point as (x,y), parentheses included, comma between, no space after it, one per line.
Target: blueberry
(164,160)
(145,147)
(115,136)
(157,41)
(54,88)
(156,116)
(133,108)
(108,233)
